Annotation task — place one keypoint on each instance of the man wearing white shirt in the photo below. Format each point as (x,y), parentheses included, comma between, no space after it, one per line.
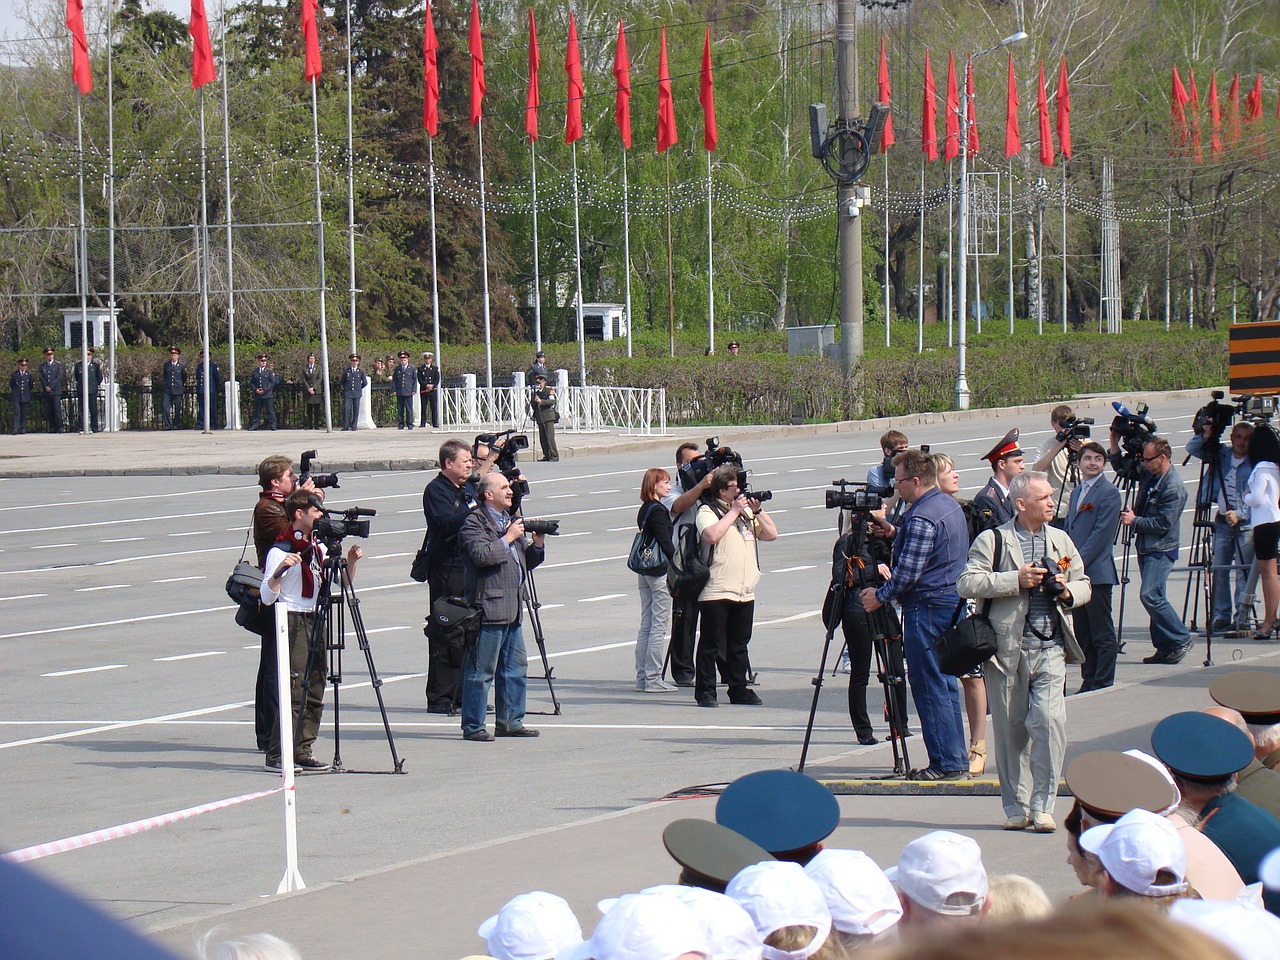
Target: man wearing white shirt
(292,575)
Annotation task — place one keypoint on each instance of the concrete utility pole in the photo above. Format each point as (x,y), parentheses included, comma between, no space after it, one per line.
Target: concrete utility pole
(850,231)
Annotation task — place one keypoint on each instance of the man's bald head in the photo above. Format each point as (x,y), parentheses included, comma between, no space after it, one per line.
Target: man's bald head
(1231,716)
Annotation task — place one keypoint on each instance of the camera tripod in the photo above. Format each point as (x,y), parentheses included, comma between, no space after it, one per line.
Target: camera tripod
(328,636)
(1127,479)
(1069,476)
(531,603)
(881,627)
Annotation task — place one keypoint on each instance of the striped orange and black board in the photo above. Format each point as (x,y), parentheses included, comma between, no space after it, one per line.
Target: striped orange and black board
(1255,358)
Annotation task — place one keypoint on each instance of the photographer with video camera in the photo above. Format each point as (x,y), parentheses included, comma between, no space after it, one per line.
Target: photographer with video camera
(1222,489)
(497,557)
(1155,518)
(291,575)
(1033,574)
(1057,454)
(730,524)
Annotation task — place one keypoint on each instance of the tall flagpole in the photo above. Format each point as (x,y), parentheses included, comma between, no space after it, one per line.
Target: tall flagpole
(537,288)
(233,409)
(351,192)
(671,283)
(484,264)
(1064,244)
(577,267)
(887,325)
(84,272)
(626,245)
(1010,241)
(324,330)
(112,411)
(204,264)
(951,210)
(435,286)
(920,284)
(711,292)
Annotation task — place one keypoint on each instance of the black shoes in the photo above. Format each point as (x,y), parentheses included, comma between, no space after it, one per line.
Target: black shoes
(706,700)
(516,732)
(748,699)
(867,739)
(478,736)
(1177,656)
(931,775)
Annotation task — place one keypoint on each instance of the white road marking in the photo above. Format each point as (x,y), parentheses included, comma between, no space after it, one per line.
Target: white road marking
(114,623)
(620,529)
(108,586)
(51,546)
(568,563)
(70,673)
(795,616)
(377,630)
(603,596)
(804,470)
(190,533)
(125,540)
(24,596)
(190,656)
(794,569)
(178,579)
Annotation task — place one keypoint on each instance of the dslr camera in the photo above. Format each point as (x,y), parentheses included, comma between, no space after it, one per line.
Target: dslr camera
(336,524)
(1217,413)
(551,528)
(744,488)
(1050,587)
(321,480)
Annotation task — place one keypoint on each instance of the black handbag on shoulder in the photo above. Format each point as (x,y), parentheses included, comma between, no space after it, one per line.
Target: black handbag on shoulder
(454,624)
(969,641)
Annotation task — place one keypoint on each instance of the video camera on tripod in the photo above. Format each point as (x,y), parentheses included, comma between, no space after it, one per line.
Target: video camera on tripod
(716,456)
(1074,428)
(336,524)
(1218,413)
(1135,430)
(864,498)
(508,443)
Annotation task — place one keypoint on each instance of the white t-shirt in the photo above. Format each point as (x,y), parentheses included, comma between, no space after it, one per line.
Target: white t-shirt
(290,593)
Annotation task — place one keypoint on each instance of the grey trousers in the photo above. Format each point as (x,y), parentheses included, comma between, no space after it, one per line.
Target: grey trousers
(1028,728)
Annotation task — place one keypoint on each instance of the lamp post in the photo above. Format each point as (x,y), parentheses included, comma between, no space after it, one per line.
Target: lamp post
(962,384)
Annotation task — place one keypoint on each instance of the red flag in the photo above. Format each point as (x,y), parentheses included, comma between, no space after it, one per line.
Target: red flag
(430,77)
(1195,115)
(80,71)
(311,39)
(707,97)
(951,145)
(202,70)
(971,139)
(885,96)
(1253,102)
(929,114)
(531,101)
(1215,117)
(1233,111)
(666,105)
(1046,143)
(1012,135)
(573,67)
(475,44)
(622,100)
(1178,99)
(1064,112)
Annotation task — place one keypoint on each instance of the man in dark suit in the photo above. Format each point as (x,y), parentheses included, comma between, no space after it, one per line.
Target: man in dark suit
(353,383)
(21,385)
(95,383)
(404,380)
(1093,517)
(173,384)
(497,555)
(429,390)
(992,504)
(51,390)
(215,388)
(262,384)
(312,392)
(543,403)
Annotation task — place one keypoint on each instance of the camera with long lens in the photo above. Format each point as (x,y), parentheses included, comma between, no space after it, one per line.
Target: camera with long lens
(1074,428)
(691,473)
(550,528)
(336,524)
(321,480)
(863,498)
(1215,412)
(1049,586)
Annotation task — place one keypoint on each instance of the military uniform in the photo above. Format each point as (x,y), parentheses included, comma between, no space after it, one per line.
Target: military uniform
(787,813)
(543,403)
(173,385)
(404,380)
(353,383)
(262,384)
(429,391)
(710,854)
(51,389)
(992,504)
(215,388)
(21,385)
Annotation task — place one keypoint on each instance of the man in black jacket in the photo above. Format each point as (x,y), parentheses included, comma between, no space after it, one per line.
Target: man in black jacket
(992,504)
(262,387)
(429,390)
(21,386)
(51,389)
(404,380)
(95,383)
(173,385)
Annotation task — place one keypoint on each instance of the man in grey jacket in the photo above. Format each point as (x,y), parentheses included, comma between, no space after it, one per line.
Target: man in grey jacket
(1033,575)
(1157,522)
(497,555)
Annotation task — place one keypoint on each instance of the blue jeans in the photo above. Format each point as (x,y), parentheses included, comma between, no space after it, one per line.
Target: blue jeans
(497,659)
(1231,545)
(1168,633)
(936,695)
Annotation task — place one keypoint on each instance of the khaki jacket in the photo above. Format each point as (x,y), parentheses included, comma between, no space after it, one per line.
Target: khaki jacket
(734,568)
(1010,602)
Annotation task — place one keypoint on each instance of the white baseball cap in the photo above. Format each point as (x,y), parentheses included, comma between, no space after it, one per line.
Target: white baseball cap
(940,867)
(1249,930)
(858,894)
(777,894)
(643,926)
(532,926)
(1136,848)
(730,930)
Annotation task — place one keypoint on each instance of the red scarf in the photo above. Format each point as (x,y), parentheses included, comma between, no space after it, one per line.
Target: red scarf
(295,541)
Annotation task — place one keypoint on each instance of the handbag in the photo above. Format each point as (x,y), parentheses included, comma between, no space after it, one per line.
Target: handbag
(242,587)
(421,566)
(968,641)
(647,556)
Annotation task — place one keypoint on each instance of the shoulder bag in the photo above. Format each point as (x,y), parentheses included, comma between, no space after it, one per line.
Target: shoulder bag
(969,641)
(243,586)
(647,556)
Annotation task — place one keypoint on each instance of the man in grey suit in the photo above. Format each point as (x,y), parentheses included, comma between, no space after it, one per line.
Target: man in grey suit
(1092,521)
(497,555)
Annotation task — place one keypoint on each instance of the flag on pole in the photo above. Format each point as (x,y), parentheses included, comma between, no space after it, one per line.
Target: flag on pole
(1046,142)
(430,77)
(1064,112)
(475,44)
(1012,135)
(1253,101)
(1178,100)
(971,139)
(885,95)
(1215,117)
(311,40)
(1233,111)
(929,114)
(531,100)
(80,71)
(951,146)
(707,97)
(622,100)
(202,70)
(573,67)
(667,136)
(1195,115)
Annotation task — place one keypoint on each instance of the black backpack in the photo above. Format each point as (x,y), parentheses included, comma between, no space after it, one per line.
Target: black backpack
(688,571)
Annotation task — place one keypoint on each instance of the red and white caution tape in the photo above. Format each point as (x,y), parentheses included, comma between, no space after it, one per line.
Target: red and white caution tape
(127,829)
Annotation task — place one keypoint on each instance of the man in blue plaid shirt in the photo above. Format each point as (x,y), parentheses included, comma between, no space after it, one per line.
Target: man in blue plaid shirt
(929,552)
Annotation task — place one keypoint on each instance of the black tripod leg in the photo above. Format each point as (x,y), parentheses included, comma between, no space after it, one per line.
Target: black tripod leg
(891,681)
(535,621)
(362,638)
(817,691)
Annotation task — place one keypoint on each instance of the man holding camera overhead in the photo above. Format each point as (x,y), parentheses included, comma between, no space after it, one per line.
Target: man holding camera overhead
(1053,456)
(1032,573)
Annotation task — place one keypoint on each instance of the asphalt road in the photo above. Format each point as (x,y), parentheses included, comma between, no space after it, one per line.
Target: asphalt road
(128,687)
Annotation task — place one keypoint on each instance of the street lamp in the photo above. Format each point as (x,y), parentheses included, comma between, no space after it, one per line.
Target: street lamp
(962,384)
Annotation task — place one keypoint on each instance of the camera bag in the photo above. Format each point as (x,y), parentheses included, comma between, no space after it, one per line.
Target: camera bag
(688,571)
(421,562)
(647,556)
(969,641)
(454,625)
(242,587)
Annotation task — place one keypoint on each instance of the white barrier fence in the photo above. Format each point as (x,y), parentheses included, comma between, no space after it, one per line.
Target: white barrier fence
(633,411)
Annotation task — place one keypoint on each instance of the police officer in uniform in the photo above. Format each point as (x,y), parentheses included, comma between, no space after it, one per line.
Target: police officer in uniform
(51,389)
(992,504)
(543,402)
(95,383)
(215,389)
(429,390)
(709,854)
(1251,700)
(353,383)
(404,380)
(789,814)
(1256,694)
(262,384)
(21,385)
(173,384)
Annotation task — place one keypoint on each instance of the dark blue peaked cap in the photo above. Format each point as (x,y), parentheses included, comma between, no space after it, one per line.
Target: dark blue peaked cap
(1201,747)
(781,810)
